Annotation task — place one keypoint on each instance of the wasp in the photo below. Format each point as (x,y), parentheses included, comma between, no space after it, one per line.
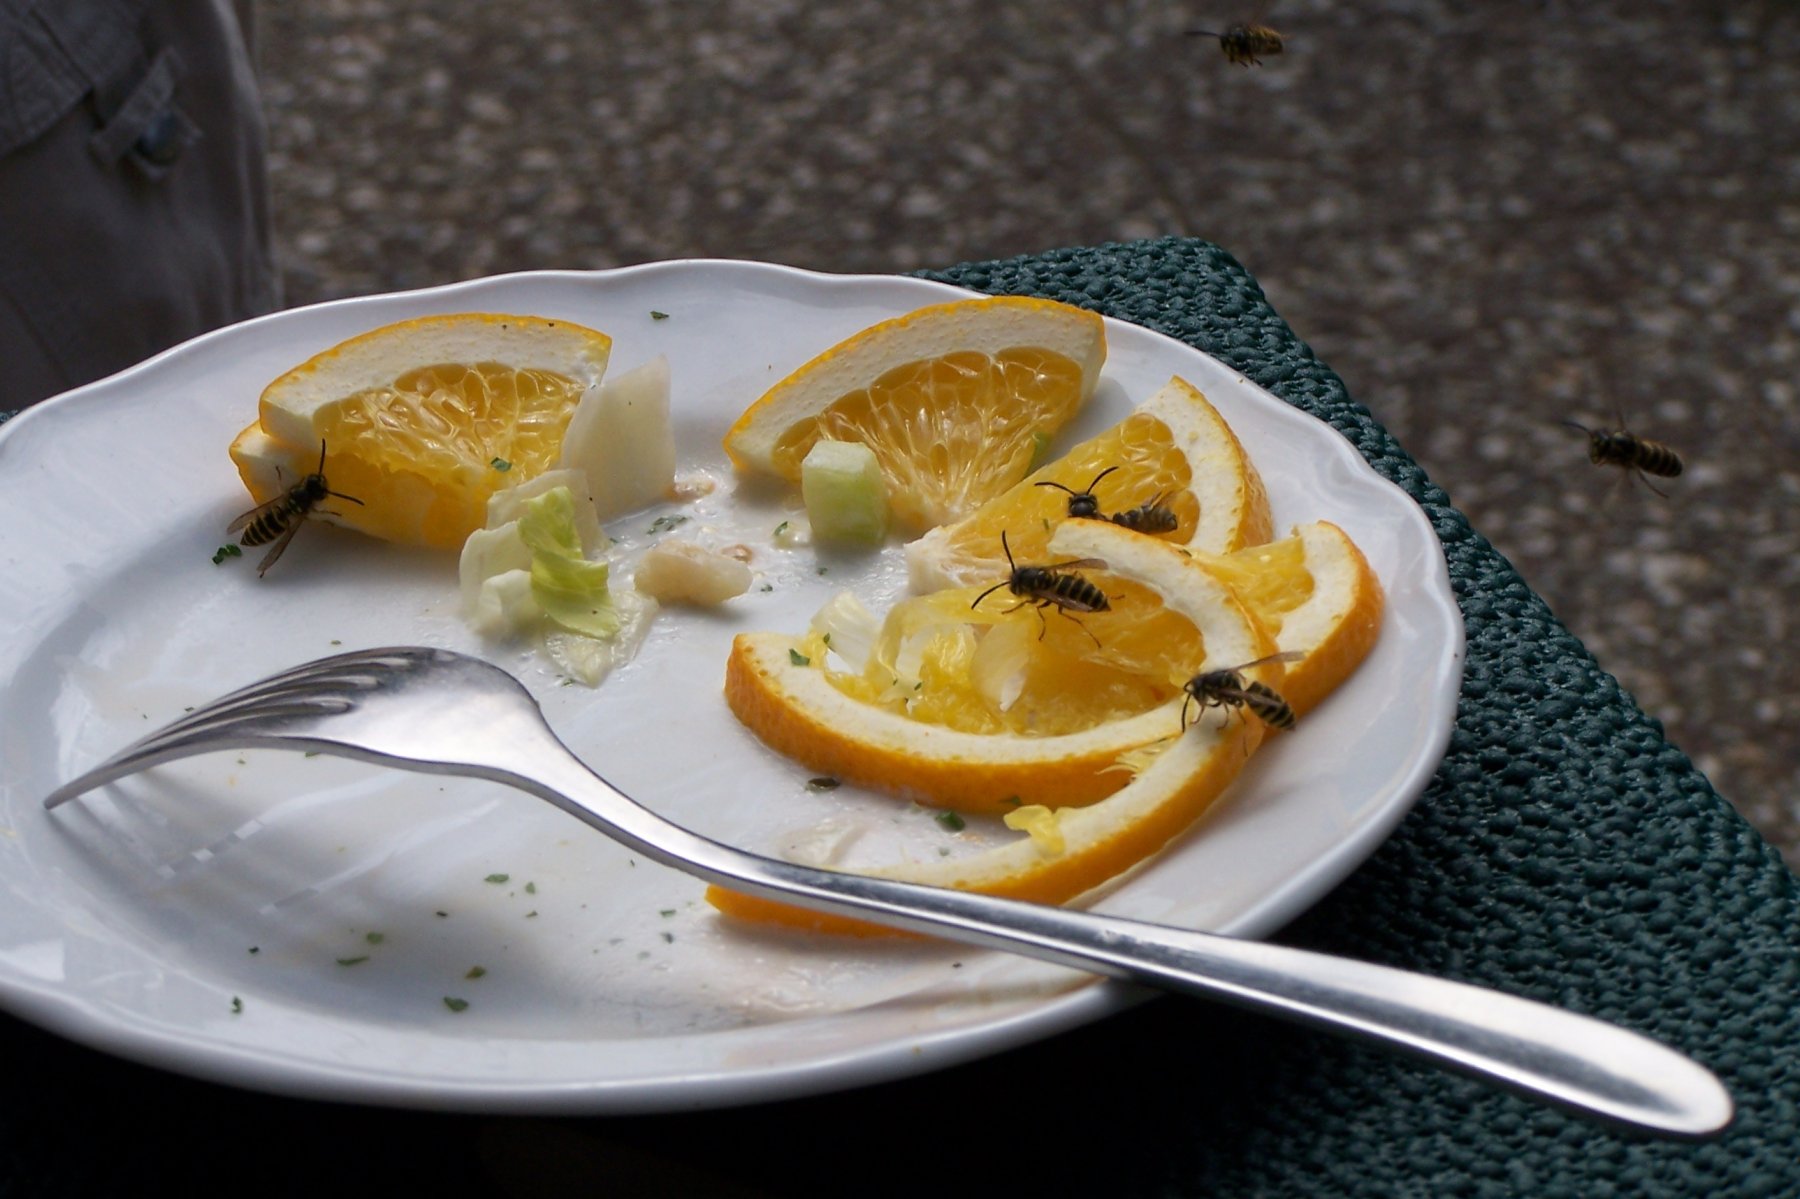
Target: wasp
(1636,455)
(1153,517)
(280,518)
(1244,41)
(1083,504)
(1051,587)
(1228,688)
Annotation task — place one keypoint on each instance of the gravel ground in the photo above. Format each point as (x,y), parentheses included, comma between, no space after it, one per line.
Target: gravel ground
(1488,219)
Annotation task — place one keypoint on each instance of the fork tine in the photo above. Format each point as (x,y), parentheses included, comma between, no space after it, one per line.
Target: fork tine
(310,689)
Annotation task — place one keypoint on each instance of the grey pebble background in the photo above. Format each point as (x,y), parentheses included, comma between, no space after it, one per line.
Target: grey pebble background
(1486,218)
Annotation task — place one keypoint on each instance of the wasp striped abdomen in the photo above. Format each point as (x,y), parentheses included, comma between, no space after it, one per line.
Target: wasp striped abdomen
(1228,688)
(1631,453)
(280,518)
(1051,586)
(1153,518)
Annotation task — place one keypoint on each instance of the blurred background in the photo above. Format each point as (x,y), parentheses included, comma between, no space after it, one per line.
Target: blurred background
(1486,218)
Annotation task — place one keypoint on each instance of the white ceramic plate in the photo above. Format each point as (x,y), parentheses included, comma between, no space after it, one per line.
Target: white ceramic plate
(339,905)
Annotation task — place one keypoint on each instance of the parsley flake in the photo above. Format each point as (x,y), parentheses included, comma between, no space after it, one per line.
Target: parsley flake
(951,821)
(476,972)
(658,316)
(663,524)
(227,551)
(374,938)
(798,658)
(455,1004)
(237,1005)
(356,961)
(500,464)
(496,878)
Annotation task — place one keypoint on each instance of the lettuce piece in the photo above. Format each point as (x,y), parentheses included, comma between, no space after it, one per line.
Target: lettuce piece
(569,589)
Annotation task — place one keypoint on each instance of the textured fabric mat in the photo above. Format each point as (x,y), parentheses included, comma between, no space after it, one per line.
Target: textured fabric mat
(1564,851)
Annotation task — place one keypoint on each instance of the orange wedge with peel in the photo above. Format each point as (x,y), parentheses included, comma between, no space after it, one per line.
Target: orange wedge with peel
(954,400)
(1313,592)
(422,420)
(1095,844)
(1316,593)
(1173,450)
(781,687)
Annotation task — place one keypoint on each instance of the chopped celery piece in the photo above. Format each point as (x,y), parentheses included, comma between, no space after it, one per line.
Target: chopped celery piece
(846,497)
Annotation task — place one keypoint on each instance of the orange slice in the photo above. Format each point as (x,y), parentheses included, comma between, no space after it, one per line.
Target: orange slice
(954,400)
(1314,590)
(1093,845)
(1174,450)
(782,688)
(424,419)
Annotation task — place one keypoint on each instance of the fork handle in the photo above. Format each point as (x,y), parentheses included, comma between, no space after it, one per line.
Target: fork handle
(1576,1061)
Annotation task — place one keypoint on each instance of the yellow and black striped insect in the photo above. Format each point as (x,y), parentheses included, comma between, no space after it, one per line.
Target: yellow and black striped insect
(280,518)
(1153,517)
(1245,41)
(1635,455)
(1051,586)
(1228,688)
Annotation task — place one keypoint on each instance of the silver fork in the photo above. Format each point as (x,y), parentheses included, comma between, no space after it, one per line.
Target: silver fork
(445,713)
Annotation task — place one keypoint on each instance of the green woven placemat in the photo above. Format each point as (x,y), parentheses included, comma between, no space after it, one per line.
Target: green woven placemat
(1564,851)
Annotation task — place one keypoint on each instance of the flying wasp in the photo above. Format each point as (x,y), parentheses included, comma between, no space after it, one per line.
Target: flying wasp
(1051,586)
(1228,688)
(1153,517)
(1245,41)
(1633,454)
(280,518)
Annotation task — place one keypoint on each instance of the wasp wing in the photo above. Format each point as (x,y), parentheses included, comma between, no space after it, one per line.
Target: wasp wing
(259,510)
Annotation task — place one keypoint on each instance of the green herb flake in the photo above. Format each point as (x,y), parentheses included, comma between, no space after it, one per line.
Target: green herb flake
(455,1004)
(256,949)
(441,913)
(496,878)
(669,938)
(663,524)
(665,912)
(227,551)
(531,915)
(531,888)
(823,783)
(237,1005)
(476,972)
(951,821)
(374,938)
(768,586)
(356,961)
(500,464)
(798,658)
(658,316)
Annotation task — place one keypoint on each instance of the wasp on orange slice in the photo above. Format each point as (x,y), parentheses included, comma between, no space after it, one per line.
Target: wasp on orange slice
(424,419)
(1173,453)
